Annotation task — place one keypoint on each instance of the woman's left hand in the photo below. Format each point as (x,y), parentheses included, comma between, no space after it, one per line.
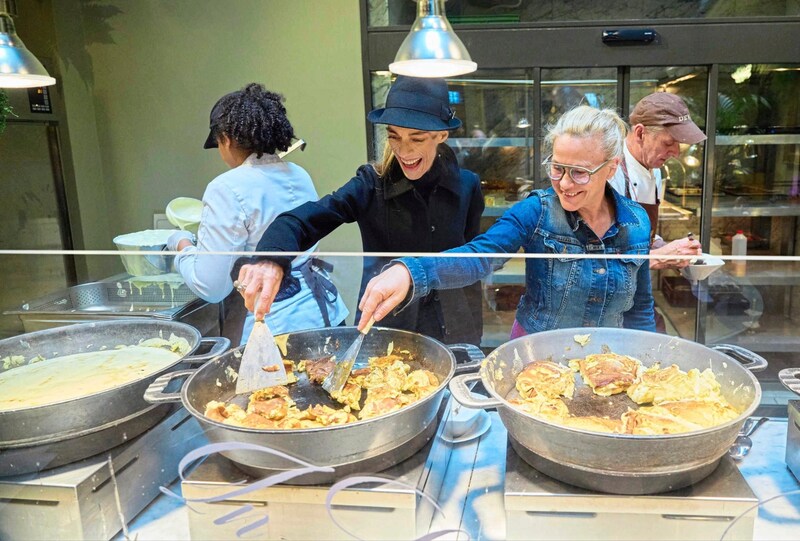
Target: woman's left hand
(384,293)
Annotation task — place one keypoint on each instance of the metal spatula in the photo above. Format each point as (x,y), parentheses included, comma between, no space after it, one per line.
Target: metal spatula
(262,364)
(335,381)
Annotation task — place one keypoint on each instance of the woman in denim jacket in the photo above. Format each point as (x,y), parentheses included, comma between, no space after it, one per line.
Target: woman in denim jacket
(579,214)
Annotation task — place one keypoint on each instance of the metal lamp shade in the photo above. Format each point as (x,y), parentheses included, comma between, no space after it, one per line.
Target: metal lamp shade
(432,48)
(19,68)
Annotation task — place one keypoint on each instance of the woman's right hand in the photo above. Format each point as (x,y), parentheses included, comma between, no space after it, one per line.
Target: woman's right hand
(260,283)
(384,293)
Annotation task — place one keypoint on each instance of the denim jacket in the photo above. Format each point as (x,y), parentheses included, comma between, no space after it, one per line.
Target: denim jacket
(561,292)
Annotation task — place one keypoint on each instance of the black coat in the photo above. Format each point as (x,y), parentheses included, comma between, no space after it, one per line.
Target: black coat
(394,217)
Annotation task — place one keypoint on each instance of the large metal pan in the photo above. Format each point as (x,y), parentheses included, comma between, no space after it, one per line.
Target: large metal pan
(616,463)
(369,445)
(81,416)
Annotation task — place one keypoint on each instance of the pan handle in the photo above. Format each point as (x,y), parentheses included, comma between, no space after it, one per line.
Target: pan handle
(461,392)
(217,345)
(790,377)
(474,353)
(748,359)
(155,391)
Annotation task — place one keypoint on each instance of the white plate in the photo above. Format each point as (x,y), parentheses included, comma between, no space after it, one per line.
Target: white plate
(481,426)
(701,272)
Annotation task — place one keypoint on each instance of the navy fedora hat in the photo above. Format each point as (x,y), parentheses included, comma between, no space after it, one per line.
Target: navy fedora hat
(417,103)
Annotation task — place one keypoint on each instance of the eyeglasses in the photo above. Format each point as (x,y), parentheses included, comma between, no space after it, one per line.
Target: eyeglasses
(578,174)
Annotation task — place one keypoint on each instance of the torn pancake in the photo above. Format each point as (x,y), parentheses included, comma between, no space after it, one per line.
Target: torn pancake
(654,421)
(657,385)
(350,395)
(702,412)
(421,383)
(547,379)
(317,369)
(607,373)
(391,384)
(549,409)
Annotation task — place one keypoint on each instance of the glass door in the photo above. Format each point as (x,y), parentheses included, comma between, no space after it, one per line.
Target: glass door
(756,181)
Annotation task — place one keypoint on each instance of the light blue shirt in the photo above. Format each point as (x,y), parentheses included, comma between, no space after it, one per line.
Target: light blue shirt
(238,206)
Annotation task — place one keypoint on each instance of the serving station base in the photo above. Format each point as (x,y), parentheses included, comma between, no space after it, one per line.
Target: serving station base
(83,500)
(793,438)
(68,448)
(369,511)
(539,507)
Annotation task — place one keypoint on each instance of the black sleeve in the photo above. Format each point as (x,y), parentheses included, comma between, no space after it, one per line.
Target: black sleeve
(476,207)
(299,229)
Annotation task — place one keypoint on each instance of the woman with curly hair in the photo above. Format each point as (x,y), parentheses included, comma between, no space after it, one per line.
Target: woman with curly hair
(249,127)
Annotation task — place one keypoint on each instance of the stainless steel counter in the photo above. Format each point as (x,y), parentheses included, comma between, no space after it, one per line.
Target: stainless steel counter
(163,297)
(473,492)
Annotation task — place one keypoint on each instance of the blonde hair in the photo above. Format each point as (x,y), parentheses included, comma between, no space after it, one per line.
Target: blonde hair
(585,121)
(385,164)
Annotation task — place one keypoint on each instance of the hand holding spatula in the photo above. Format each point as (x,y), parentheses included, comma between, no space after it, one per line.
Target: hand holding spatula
(336,380)
(262,364)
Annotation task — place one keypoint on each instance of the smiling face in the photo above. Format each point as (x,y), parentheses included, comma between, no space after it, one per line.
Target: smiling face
(657,146)
(584,152)
(415,150)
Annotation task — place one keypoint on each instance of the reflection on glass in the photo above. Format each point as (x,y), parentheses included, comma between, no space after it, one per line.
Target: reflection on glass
(676,298)
(691,159)
(565,88)
(496,136)
(756,177)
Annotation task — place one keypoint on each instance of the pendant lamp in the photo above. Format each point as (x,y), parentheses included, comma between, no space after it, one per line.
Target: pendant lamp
(19,68)
(431,48)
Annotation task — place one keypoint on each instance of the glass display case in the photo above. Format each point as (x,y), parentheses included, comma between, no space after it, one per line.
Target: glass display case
(745,177)
(756,190)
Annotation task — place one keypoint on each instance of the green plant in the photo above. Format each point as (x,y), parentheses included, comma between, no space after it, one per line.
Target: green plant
(5,110)
(740,109)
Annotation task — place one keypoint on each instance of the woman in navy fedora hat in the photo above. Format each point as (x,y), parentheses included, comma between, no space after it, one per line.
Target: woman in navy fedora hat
(416,199)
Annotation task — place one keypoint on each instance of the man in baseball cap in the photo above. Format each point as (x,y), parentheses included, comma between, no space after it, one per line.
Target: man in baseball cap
(667,110)
(660,122)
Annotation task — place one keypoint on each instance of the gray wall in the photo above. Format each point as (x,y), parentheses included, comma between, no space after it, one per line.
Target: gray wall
(139,77)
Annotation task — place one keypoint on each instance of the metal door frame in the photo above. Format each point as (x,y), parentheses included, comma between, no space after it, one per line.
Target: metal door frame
(679,42)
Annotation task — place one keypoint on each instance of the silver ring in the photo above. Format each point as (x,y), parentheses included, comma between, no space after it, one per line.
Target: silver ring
(240,287)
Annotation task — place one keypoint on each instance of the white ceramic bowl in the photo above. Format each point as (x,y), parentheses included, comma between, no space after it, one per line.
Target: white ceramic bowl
(701,271)
(185,213)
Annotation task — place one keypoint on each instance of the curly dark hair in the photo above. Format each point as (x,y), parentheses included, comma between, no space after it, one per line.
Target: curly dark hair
(255,118)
